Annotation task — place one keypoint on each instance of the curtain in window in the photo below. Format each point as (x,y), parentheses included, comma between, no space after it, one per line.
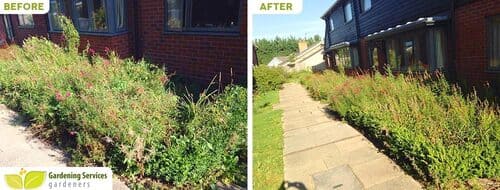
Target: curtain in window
(494,43)
(175,12)
(120,14)
(439,50)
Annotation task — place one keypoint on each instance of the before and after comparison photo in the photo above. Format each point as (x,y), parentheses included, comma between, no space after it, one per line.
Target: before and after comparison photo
(250,94)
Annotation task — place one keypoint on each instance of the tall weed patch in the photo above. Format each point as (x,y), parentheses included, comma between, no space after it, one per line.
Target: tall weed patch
(442,135)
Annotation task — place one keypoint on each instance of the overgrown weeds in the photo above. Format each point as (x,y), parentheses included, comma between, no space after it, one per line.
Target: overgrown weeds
(442,135)
(120,114)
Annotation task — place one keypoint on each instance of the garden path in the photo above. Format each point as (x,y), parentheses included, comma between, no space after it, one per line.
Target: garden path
(321,152)
(18,148)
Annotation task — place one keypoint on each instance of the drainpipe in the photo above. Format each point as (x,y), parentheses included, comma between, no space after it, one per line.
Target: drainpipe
(452,42)
(136,33)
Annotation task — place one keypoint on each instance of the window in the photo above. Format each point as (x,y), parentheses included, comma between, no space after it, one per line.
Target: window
(393,54)
(90,15)
(120,14)
(348,12)
(494,43)
(343,58)
(26,20)
(366,5)
(332,26)
(374,57)
(436,51)
(202,15)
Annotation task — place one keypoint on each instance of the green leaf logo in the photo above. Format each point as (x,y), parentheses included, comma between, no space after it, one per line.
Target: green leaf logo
(14,181)
(32,180)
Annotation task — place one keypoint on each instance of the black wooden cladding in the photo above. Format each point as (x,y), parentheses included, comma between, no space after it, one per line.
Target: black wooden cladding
(382,15)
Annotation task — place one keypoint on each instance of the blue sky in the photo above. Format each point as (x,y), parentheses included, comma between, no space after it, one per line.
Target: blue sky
(306,24)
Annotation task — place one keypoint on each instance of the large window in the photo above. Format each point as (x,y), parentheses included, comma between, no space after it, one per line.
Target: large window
(494,43)
(366,5)
(96,16)
(203,15)
(374,57)
(343,58)
(26,21)
(332,26)
(348,12)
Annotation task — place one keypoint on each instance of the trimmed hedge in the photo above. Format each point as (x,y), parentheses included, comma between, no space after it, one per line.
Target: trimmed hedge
(269,78)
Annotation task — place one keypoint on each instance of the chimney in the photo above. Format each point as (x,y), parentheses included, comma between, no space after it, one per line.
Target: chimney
(302,45)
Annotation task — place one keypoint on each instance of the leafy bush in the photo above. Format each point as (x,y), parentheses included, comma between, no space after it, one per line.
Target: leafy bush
(268,78)
(210,141)
(118,113)
(443,136)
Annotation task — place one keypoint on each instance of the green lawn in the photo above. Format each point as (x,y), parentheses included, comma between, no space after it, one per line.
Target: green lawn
(268,142)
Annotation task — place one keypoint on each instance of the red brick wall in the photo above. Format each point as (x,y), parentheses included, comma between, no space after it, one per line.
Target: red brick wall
(40,28)
(471,42)
(3,35)
(120,43)
(197,56)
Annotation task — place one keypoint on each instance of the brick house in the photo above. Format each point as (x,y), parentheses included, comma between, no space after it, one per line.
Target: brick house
(193,38)
(447,35)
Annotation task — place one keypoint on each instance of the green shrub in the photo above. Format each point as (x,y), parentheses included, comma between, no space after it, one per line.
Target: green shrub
(269,78)
(443,136)
(210,142)
(70,34)
(119,113)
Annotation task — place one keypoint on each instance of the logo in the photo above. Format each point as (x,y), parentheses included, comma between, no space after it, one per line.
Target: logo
(277,6)
(25,179)
(56,178)
(24,6)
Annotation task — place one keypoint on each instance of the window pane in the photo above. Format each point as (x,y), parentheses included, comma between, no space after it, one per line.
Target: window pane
(392,54)
(375,57)
(494,62)
(332,27)
(348,12)
(175,12)
(367,4)
(26,20)
(216,14)
(120,14)
(83,15)
(409,55)
(99,16)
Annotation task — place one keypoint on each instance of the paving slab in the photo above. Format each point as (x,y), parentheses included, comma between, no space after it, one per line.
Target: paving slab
(323,153)
(17,142)
(338,178)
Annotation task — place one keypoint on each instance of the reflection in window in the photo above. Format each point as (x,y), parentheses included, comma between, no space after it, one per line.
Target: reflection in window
(409,55)
(343,58)
(26,20)
(392,54)
(203,15)
(99,16)
(215,13)
(374,57)
(83,15)
(348,12)
(120,14)
(366,5)
(175,12)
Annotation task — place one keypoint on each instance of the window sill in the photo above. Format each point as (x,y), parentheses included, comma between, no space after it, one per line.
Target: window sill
(207,33)
(491,70)
(94,33)
(26,27)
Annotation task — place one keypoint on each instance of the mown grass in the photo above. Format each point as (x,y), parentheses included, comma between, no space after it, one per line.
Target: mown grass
(446,138)
(123,115)
(268,142)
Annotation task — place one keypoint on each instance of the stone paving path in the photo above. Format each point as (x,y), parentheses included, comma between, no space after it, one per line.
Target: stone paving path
(19,149)
(323,153)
